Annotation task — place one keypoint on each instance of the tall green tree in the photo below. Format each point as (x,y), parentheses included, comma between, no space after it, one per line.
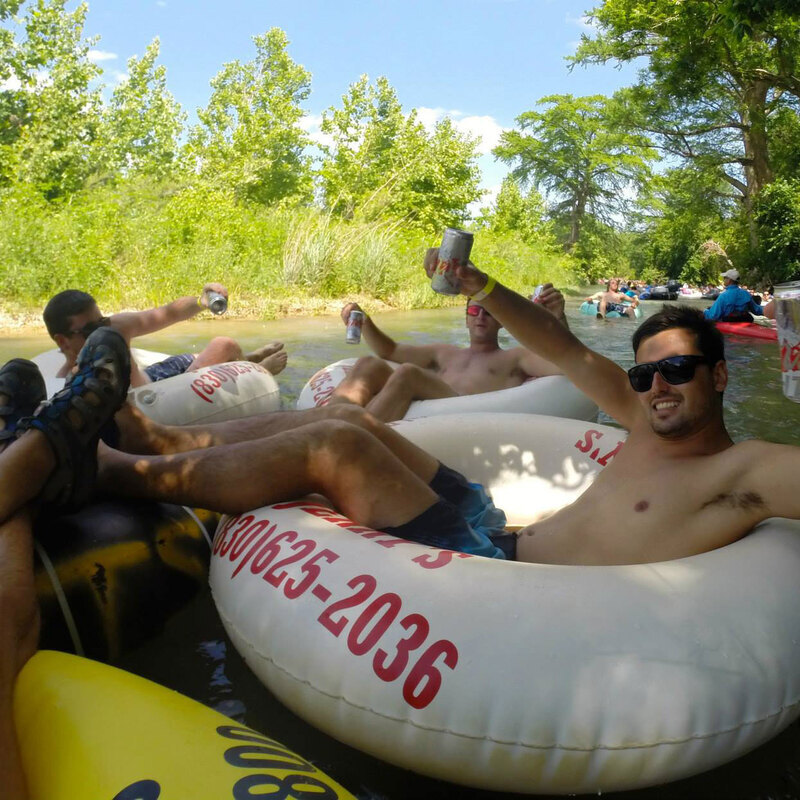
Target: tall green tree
(576,151)
(682,209)
(436,176)
(714,73)
(11,100)
(51,115)
(523,213)
(382,161)
(363,134)
(143,122)
(249,137)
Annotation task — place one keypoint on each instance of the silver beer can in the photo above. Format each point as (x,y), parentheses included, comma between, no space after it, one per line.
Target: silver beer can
(355,322)
(217,303)
(453,252)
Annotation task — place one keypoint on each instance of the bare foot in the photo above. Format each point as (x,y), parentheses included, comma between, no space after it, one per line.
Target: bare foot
(276,362)
(264,352)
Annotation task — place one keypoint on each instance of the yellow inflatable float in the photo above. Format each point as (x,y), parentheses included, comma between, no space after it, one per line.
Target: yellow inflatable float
(92,732)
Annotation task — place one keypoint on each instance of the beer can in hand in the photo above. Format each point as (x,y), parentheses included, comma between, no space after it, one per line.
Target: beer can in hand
(536,292)
(453,252)
(355,322)
(217,303)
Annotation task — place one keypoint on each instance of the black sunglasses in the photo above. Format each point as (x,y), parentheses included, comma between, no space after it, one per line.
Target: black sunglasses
(90,327)
(675,370)
(473,311)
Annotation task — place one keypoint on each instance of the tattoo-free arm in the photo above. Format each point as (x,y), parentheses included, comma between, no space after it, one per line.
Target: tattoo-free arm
(139,323)
(387,348)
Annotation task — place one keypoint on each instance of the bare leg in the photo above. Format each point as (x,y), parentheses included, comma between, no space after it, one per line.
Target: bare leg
(601,308)
(141,435)
(24,468)
(365,380)
(217,351)
(348,465)
(19,634)
(406,384)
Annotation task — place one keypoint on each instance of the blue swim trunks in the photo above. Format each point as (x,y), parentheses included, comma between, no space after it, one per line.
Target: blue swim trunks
(169,367)
(464,519)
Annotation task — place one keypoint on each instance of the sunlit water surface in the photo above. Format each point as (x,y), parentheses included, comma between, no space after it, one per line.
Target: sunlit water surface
(194,655)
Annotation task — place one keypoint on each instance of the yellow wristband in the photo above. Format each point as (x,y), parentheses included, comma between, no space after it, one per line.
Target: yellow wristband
(199,304)
(486,291)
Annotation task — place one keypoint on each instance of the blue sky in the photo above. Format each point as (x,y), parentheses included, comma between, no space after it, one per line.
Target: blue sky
(482,62)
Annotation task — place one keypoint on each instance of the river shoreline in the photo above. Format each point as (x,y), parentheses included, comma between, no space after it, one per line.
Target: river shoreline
(28,322)
(20,321)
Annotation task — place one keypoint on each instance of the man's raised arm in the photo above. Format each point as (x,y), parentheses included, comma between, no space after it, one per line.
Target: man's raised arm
(139,323)
(539,331)
(385,347)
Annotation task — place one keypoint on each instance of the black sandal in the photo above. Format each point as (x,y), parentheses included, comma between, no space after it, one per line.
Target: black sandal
(90,398)
(23,385)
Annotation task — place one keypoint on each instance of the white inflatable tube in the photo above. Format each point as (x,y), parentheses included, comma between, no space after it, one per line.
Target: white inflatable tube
(553,396)
(509,676)
(211,394)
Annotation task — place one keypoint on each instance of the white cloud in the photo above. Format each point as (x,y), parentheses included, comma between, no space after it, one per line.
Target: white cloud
(161,4)
(485,127)
(583,22)
(430,116)
(96,56)
(310,121)
(120,77)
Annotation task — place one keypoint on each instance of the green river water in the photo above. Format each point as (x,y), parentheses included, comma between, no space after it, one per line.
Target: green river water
(195,657)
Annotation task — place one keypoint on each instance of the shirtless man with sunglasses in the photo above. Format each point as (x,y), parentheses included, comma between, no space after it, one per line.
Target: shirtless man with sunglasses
(429,372)
(680,485)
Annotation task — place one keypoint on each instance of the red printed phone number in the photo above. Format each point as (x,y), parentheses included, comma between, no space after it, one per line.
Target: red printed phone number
(256,543)
(322,384)
(206,384)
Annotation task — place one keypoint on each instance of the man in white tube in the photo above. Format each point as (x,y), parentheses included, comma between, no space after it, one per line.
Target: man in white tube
(434,371)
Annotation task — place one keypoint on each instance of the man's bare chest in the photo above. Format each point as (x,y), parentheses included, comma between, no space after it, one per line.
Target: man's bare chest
(469,372)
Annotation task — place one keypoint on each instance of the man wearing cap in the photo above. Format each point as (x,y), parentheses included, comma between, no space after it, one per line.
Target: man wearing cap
(734,304)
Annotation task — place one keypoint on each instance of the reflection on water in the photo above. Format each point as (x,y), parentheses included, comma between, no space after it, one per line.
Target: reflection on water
(194,655)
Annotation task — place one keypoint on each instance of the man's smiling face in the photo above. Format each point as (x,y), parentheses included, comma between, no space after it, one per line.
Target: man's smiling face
(674,411)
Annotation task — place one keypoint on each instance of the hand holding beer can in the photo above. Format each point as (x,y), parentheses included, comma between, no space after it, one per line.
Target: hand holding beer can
(453,252)
(355,322)
(217,303)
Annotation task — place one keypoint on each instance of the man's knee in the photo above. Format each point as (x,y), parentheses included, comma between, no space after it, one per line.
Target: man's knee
(223,348)
(370,366)
(338,440)
(405,376)
(351,414)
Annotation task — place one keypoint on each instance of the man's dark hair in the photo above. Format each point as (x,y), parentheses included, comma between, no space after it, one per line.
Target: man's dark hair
(709,340)
(64,305)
